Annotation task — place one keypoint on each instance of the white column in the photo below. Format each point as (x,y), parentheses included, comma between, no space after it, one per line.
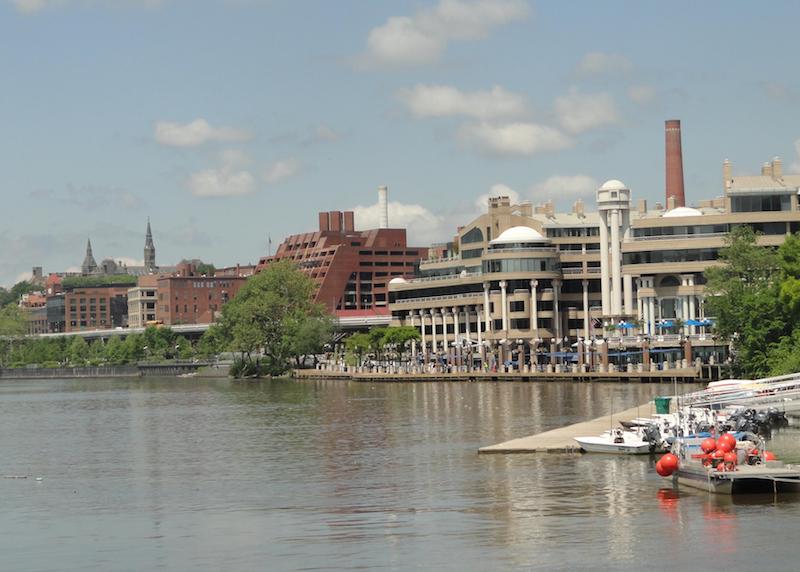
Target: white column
(556,317)
(644,312)
(586,328)
(639,304)
(478,324)
(413,342)
(422,327)
(534,310)
(651,310)
(685,313)
(692,314)
(487,318)
(456,333)
(605,283)
(504,304)
(445,345)
(433,331)
(616,266)
(627,284)
(467,325)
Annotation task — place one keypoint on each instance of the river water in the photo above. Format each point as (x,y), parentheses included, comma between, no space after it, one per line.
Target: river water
(170,474)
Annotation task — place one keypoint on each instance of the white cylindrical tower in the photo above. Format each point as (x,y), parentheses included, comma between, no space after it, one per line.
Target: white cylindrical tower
(383,206)
(613,205)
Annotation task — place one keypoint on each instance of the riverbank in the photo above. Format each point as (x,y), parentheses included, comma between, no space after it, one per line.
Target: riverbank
(688,375)
(200,369)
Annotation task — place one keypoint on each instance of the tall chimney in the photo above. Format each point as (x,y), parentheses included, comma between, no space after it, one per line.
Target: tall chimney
(674,162)
(383,207)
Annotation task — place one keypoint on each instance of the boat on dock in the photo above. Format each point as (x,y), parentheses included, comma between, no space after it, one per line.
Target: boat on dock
(620,441)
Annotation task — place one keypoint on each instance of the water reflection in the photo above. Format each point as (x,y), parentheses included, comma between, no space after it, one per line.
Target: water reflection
(326,475)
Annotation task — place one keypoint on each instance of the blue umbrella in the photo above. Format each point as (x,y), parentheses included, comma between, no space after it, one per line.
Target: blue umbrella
(666,323)
(625,326)
(694,323)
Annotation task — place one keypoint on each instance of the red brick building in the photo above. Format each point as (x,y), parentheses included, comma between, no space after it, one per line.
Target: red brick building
(96,308)
(351,268)
(188,299)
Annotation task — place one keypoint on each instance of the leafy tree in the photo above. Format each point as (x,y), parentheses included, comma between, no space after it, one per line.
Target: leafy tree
(358,344)
(12,328)
(211,343)
(308,336)
(183,348)
(78,351)
(115,353)
(268,314)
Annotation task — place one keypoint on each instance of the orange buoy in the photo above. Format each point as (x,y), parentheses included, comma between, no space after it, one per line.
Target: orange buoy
(662,470)
(718,454)
(669,462)
(721,466)
(730,439)
(770,456)
(730,457)
(724,445)
(708,445)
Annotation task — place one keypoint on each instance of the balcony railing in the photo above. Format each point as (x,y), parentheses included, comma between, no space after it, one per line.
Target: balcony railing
(680,236)
(439,298)
(447,277)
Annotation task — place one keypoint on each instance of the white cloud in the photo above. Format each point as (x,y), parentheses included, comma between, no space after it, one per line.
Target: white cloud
(324,134)
(22,277)
(514,138)
(30,6)
(566,187)
(196,133)
(497,190)
(281,170)
(443,100)
(229,180)
(641,94)
(602,64)
(422,38)
(423,226)
(128,260)
(579,112)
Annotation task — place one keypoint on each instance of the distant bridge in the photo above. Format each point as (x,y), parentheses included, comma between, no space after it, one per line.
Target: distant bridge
(193,331)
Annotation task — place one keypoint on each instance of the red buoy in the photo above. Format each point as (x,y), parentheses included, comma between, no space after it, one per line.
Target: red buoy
(769,456)
(669,462)
(728,438)
(724,445)
(718,454)
(708,445)
(721,466)
(662,470)
(730,457)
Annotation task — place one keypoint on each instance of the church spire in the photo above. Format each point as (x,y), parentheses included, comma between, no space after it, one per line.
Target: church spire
(89,265)
(149,250)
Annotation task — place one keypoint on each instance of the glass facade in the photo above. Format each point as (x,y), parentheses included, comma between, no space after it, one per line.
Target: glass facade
(522,265)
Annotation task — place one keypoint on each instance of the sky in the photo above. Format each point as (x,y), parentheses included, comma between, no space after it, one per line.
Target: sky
(230,122)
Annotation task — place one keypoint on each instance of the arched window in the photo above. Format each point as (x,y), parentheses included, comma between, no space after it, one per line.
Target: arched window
(474,235)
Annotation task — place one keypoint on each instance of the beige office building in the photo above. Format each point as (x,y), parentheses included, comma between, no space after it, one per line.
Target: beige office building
(520,278)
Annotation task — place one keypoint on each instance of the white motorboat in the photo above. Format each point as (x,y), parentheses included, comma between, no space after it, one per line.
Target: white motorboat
(620,442)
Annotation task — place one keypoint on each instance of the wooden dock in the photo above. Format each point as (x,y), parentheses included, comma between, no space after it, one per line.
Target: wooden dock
(561,440)
(689,375)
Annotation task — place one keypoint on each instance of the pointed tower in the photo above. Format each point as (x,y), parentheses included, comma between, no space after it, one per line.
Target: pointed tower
(89,265)
(149,250)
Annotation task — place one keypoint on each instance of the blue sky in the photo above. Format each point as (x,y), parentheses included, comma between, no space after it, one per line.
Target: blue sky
(228,121)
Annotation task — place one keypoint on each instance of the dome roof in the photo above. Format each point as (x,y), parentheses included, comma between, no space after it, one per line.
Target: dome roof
(613,185)
(398,280)
(518,234)
(683,211)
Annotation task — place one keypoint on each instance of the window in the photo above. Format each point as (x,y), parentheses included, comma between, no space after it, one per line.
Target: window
(760,203)
(518,306)
(472,235)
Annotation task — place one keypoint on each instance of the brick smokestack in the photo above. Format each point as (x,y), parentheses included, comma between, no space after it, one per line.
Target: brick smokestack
(674,162)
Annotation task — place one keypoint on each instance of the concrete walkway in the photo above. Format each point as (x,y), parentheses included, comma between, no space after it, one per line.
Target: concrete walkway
(561,440)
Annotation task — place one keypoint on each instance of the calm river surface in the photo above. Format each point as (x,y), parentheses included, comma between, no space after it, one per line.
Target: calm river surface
(172,474)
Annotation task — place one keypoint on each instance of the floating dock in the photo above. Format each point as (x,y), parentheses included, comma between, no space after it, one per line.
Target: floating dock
(561,440)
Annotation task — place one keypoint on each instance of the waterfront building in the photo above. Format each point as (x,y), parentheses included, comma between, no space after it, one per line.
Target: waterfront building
(96,308)
(142,301)
(352,268)
(34,310)
(521,281)
(191,298)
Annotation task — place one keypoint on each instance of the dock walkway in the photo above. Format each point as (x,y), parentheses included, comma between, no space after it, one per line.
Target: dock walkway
(689,375)
(561,440)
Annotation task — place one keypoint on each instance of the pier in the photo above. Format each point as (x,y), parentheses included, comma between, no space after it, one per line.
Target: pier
(561,440)
(688,375)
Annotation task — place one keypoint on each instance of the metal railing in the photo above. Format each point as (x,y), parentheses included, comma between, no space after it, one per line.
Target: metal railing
(437,298)
(447,277)
(680,236)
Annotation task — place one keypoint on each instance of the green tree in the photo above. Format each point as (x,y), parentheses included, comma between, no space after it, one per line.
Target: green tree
(358,344)
(12,328)
(183,348)
(211,343)
(78,351)
(745,299)
(115,353)
(268,314)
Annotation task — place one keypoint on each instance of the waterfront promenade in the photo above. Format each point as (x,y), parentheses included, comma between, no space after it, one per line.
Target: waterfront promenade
(687,375)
